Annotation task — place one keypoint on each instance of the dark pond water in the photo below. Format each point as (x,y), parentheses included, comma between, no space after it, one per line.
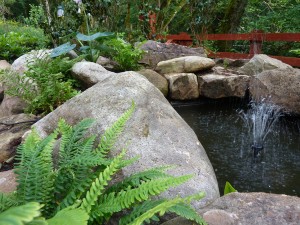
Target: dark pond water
(227,141)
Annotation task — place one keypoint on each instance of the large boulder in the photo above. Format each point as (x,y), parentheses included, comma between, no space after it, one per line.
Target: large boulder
(21,64)
(7,181)
(260,63)
(220,86)
(89,73)
(280,86)
(156,52)
(156,79)
(4,65)
(11,105)
(187,64)
(182,86)
(253,208)
(12,129)
(155,132)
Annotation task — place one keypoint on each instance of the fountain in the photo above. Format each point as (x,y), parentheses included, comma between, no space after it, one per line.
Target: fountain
(260,119)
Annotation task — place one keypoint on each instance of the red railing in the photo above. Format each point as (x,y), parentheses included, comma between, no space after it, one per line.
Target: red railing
(256,39)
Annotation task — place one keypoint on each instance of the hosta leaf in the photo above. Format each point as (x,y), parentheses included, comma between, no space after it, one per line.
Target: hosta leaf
(62,49)
(82,37)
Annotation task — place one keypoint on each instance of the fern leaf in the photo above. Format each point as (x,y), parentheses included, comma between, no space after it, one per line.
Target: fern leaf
(69,216)
(20,214)
(7,201)
(136,179)
(110,136)
(112,202)
(100,182)
(139,210)
(35,172)
(186,211)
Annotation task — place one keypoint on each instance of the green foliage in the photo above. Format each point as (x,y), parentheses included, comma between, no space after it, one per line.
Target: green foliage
(125,54)
(44,86)
(16,40)
(228,188)
(76,188)
(37,17)
(21,214)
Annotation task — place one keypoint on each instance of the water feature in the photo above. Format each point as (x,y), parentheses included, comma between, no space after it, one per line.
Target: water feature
(229,130)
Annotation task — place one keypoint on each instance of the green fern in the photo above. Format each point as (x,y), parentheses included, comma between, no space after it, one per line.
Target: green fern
(21,214)
(77,189)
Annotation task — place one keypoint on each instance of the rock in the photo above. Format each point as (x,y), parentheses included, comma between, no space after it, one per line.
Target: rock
(7,181)
(108,64)
(89,73)
(187,64)
(11,135)
(156,79)
(20,64)
(231,62)
(280,86)
(260,63)
(4,65)
(182,86)
(11,105)
(156,52)
(179,221)
(220,86)
(253,208)
(156,132)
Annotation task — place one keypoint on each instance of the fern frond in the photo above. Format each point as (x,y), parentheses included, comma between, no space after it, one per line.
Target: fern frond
(186,211)
(20,214)
(7,200)
(100,182)
(110,136)
(115,202)
(136,179)
(139,210)
(67,216)
(35,172)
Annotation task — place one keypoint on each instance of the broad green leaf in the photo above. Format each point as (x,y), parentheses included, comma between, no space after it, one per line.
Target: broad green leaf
(62,49)
(228,188)
(83,37)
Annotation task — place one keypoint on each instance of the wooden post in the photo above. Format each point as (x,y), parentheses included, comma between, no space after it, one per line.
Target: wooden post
(257,37)
(152,23)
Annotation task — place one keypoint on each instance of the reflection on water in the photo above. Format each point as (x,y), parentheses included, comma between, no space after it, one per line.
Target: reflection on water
(225,137)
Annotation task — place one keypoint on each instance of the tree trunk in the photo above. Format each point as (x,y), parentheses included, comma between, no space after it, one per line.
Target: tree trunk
(231,21)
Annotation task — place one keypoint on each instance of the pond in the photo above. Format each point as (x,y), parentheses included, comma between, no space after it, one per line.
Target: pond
(226,138)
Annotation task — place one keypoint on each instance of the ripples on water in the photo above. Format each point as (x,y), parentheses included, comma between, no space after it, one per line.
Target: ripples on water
(227,141)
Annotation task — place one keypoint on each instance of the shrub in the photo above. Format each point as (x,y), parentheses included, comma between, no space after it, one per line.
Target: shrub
(80,179)
(16,40)
(44,86)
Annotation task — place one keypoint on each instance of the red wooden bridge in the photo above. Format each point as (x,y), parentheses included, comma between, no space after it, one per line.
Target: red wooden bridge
(255,38)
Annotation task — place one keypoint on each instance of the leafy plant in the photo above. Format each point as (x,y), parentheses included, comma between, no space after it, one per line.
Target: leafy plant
(124,53)
(228,188)
(16,40)
(78,181)
(44,86)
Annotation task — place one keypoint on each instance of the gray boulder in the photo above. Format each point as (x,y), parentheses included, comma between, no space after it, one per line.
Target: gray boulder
(11,105)
(260,63)
(187,64)
(220,86)
(156,52)
(182,86)
(21,64)
(12,129)
(89,73)
(4,65)
(253,208)
(155,132)
(7,181)
(280,86)
(108,64)
(156,79)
